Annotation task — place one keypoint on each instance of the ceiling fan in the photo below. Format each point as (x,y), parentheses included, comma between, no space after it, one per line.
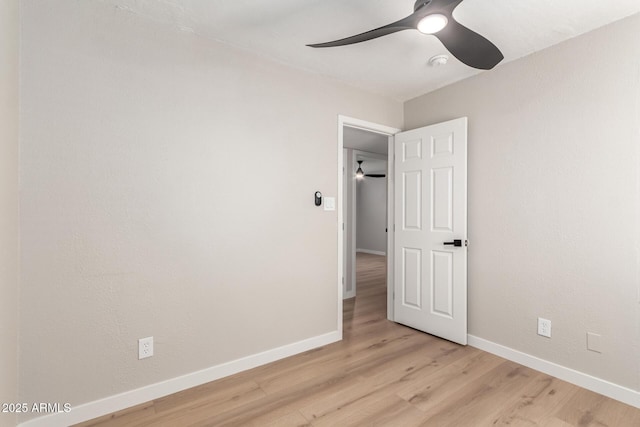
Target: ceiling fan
(436,17)
(360,173)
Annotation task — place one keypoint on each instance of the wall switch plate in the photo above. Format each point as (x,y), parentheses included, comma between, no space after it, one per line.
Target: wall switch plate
(544,327)
(329,203)
(594,342)
(145,347)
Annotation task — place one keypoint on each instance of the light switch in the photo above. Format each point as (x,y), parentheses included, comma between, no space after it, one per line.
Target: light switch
(329,203)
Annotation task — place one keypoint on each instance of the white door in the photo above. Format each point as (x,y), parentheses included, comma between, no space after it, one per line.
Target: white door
(430,291)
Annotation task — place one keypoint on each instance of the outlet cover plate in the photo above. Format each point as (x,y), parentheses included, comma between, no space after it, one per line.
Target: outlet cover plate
(145,347)
(544,327)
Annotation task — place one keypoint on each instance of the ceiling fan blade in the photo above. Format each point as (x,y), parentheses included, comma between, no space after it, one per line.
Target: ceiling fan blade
(376,175)
(407,23)
(468,46)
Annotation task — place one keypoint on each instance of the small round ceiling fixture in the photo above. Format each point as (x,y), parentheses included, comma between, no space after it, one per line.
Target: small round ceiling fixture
(439,60)
(432,24)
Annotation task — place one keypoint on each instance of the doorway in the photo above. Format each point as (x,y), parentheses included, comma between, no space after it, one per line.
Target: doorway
(365,201)
(430,244)
(369,142)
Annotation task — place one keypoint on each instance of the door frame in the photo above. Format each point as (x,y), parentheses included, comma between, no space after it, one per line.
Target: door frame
(383,130)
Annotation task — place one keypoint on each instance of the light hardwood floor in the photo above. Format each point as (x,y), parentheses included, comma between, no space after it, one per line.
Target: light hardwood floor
(382,374)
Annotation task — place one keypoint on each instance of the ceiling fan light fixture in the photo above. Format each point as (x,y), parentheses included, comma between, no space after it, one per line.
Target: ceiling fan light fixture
(436,17)
(431,24)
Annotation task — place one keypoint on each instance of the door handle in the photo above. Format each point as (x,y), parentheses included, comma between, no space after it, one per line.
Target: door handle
(456,243)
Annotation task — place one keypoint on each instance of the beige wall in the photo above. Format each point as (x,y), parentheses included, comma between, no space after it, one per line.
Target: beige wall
(9,206)
(168,189)
(554,199)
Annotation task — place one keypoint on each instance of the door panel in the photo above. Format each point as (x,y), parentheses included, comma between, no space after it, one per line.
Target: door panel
(442,199)
(412,277)
(431,205)
(412,197)
(442,283)
(412,150)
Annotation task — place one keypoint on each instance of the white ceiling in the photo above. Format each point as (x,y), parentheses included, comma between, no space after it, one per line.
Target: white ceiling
(394,65)
(363,140)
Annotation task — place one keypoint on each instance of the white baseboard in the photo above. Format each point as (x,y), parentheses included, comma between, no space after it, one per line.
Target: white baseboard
(367,251)
(606,388)
(131,398)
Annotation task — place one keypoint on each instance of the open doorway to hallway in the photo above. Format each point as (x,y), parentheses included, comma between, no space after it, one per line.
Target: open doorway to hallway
(360,136)
(365,209)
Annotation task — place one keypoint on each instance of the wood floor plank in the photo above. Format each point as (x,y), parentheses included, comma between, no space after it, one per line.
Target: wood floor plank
(316,387)
(586,408)
(552,422)
(536,403)
(441,386)
(131,417)
(480,398)
(194,406)
(294,419)
(224,395)
(381,374)
(380,408)
(366,387)
(348,359)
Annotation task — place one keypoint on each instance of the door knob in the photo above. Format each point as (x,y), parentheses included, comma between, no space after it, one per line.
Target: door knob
(456,242)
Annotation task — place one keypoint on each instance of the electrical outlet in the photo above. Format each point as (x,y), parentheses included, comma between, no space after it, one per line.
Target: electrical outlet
(145,347)
(544,327)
